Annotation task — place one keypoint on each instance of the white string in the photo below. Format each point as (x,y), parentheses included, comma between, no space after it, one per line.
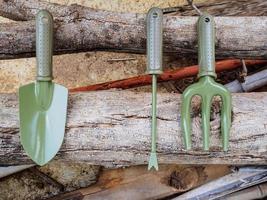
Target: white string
(190,2)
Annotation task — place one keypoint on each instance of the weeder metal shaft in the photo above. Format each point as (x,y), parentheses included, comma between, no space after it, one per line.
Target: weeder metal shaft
(153,162)
(154,112)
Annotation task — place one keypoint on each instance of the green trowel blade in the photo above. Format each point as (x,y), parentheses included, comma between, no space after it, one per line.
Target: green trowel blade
(43,104)
(43,107)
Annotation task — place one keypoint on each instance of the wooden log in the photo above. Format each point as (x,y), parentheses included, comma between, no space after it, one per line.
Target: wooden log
(27,185)
(225,8)
(220,188)
(112,128)
(79,28)
(22,11)
(52,179)
(255,192)
(138,183)
(71,176)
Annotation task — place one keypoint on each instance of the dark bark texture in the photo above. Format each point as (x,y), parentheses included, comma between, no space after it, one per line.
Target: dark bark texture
(78,28)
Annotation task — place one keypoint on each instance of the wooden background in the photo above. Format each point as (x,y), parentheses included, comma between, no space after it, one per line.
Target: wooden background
(73,70)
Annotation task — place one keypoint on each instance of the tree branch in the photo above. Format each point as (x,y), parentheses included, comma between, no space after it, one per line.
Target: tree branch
(79,29)
(167,75)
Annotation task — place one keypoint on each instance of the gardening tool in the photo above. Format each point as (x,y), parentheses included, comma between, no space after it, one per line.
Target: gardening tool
(154,67)
(43,104)
(206,87)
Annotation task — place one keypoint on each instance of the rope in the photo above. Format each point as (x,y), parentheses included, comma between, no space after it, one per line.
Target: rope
(191,3)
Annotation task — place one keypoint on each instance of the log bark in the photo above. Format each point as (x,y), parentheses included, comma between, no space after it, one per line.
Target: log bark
(26,10)
(79,29)
(112,129)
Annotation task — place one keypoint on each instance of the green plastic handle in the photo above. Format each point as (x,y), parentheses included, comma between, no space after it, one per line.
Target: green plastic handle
(206,46)
(154,41)
(44,45)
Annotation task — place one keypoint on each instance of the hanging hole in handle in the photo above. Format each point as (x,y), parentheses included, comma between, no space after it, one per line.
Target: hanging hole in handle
(155,15)
(207,19)
(44,20)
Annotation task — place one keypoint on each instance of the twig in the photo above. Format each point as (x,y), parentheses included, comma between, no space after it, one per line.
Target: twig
(166,76)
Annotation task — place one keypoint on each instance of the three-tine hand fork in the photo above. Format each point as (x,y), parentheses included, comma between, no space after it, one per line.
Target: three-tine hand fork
(206,88)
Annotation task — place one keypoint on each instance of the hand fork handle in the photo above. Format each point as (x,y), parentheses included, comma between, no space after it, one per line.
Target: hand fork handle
(206,46)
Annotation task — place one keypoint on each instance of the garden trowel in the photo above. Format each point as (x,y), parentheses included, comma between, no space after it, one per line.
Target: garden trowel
(43,104)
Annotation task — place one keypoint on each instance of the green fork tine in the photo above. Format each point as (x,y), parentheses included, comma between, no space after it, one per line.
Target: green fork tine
(206,88)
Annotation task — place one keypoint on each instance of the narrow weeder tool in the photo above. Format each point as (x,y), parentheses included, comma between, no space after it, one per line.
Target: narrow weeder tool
(154,67)
(206,88)
(43,104)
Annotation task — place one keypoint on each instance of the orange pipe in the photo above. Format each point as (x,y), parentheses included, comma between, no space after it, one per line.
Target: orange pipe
(166,76)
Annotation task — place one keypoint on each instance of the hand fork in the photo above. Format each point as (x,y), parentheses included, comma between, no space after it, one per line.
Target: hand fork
(206,88)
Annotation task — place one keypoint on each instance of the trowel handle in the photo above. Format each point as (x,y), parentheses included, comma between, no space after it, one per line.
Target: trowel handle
(206,45)
(44,45)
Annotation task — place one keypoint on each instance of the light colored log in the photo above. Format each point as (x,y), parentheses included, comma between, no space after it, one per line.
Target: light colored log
(255,192)
(79,28)
(112,128)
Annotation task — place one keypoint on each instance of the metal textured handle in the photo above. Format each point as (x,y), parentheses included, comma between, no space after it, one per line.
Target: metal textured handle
(206,45)
(44,45)
(154,41)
